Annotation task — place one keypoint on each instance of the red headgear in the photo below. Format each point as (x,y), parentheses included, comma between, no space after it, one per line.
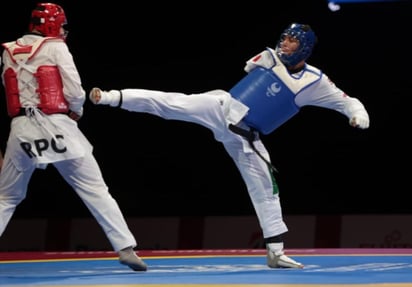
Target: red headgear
(48,18)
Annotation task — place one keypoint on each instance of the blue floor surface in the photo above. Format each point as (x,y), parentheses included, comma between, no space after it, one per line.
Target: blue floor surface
(387,270)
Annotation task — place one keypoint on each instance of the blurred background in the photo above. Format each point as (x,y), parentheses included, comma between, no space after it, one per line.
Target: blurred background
(160,168)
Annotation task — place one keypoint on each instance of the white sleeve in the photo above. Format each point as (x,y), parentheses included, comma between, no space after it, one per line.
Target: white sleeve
(325,94)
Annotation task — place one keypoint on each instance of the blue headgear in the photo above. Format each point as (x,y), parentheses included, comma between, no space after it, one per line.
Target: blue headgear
(307,40)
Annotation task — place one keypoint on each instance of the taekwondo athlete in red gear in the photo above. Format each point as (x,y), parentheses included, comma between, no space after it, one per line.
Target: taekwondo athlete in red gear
(279,82)
(45,99)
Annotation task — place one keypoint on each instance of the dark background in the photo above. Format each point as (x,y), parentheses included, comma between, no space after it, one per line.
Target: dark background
(156,167)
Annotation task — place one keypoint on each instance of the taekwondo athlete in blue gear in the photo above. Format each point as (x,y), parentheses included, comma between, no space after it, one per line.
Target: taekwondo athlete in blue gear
(279,82)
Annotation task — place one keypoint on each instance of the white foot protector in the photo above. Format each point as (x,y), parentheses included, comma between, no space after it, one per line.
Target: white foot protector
(277,259)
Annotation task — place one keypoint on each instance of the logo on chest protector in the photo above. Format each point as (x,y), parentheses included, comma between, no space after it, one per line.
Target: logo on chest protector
(40,145)
(273,89)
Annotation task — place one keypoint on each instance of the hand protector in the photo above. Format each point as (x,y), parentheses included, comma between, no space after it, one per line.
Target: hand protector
(360,121)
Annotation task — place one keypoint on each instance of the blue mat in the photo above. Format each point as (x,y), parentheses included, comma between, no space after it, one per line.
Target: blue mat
(324,270)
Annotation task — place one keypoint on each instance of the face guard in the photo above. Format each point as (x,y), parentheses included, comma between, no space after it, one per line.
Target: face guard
(307,39)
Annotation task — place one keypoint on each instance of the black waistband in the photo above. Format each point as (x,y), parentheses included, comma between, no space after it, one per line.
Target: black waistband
(249,134)
(22,112)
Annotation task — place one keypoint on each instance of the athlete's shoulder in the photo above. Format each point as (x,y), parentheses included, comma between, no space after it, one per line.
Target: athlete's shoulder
(54,39)
(313,69)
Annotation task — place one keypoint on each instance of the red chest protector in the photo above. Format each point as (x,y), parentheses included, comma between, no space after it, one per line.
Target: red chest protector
(49,83)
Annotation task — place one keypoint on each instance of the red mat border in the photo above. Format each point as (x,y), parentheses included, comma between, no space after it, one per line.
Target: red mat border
(50,255)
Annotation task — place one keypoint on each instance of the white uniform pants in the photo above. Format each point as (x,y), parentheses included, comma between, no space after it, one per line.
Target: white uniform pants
(211,111)
(84,176)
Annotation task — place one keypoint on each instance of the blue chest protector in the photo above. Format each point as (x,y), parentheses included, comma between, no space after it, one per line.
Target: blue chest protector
(270,94)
